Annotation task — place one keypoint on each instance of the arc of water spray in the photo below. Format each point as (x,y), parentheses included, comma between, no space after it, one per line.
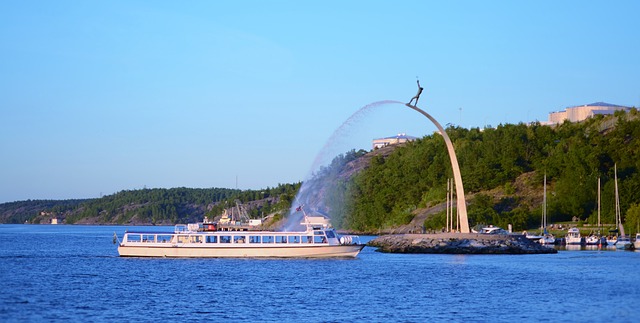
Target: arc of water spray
(320,159)
(461,202)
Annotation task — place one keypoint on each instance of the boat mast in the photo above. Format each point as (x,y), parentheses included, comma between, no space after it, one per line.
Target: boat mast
(448,182)
(544,206)
(618,218)
(598,204)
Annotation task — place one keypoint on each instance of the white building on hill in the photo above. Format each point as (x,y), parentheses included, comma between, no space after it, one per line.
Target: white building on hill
(400,138)
(582,112)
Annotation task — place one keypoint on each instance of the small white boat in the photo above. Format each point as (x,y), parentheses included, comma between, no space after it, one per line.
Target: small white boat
(636,243)
(318,240)
(493,230)
(624,243)
(547,239)
(573,237)
(592,240)
(531,236)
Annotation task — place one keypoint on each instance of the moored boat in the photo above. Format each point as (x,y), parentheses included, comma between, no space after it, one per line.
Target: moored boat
(636,243)
(611,240)
(573,237)
(532,236)
(547,238)
(491,229)
(593,239)
(624,243)
(317,240)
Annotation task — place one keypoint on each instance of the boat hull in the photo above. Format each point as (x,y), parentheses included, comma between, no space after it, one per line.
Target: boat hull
(624,245)
(573,241)
(592,240)
(185,251)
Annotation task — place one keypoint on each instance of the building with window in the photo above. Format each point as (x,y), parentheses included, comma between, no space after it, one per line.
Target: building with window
(398,139)
(582,112)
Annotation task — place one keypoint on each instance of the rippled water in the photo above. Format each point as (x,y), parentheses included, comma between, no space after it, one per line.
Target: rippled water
(61,273)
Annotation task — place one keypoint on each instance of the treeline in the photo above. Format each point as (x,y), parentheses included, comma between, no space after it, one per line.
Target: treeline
(572,155)
(155,205)
(25,211)
(159,206)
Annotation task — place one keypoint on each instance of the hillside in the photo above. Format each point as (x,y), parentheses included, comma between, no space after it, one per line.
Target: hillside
(503,170)
(149,206)
(402,188)
(25,211)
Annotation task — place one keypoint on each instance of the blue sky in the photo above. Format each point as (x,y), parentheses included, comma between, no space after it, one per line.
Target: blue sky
(101,96)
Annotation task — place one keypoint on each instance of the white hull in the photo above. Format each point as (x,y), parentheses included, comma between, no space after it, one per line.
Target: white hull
(573,241)
(547,240)
(592,240)
(194,251)
(533,237)
(624,244)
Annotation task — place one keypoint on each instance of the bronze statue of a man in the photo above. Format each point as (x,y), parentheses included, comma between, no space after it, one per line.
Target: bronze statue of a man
(417,97)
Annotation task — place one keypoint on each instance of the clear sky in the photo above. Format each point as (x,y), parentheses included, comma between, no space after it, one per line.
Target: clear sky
(102,96)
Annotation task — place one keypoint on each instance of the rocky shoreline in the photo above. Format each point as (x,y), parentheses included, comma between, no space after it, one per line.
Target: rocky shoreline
(459,243)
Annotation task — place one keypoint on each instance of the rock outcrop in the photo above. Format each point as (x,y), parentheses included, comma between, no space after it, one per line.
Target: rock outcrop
(459,243)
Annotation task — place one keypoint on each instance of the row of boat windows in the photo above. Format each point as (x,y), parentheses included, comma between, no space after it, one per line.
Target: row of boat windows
(160,238)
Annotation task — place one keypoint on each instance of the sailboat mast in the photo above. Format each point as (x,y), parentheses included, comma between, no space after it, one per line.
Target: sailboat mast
(544,205)
(598,203)
(618,215)
(615,176)
(448,182)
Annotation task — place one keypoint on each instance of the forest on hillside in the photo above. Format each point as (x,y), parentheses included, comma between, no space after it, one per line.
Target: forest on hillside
(397,183)
(572,155)
(150,206)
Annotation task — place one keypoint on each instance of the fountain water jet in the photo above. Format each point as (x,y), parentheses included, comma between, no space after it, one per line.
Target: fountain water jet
(309,186)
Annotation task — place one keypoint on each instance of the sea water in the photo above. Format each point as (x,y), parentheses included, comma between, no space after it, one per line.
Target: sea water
(73,273)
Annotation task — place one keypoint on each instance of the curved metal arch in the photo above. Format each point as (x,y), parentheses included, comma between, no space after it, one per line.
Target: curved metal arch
(462,203)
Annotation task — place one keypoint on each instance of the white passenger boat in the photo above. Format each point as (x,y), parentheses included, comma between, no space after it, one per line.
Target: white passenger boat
(573,237)
(318,240)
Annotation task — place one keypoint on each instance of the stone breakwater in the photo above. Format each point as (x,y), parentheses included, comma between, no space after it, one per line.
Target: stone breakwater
(459,243)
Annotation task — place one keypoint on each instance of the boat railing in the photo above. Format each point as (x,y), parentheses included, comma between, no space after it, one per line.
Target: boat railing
(180,228)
